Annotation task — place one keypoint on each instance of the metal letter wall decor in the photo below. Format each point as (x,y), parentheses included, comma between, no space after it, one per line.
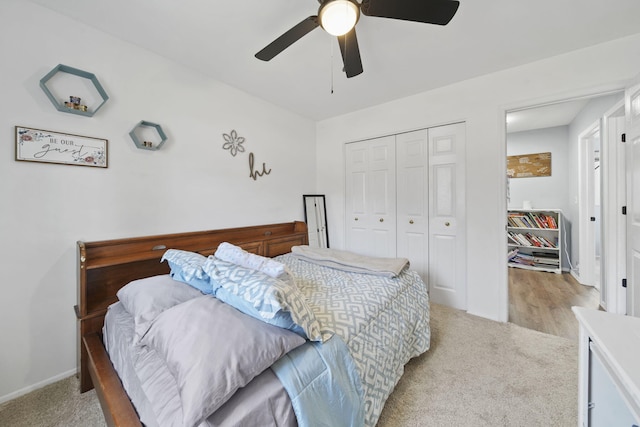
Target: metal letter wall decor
(233,143)
(255,174)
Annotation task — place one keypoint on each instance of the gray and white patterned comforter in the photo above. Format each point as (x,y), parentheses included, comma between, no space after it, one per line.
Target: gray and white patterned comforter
(383,321)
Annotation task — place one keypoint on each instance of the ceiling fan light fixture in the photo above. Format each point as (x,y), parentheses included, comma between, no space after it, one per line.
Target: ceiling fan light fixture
(338,17)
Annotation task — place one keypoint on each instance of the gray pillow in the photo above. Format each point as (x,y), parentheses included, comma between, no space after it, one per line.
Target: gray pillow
(146,298)
(212,350)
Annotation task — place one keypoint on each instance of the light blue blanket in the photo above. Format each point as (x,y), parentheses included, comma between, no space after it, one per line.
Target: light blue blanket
(323,384)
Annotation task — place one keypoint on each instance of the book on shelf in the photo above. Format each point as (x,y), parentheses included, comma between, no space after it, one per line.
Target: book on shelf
(517,238)
(539,254)
(530,260)
(547,261)
(531,220)
(529,239)
(534,239)
(522,258)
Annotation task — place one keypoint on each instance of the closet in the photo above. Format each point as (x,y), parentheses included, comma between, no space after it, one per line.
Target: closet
(405,198)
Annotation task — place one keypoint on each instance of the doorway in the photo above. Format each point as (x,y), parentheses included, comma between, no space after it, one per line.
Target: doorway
(540,299)
(589,211)
(614,224)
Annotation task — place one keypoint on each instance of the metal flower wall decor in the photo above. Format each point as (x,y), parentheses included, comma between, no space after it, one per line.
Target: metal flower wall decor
(233,143)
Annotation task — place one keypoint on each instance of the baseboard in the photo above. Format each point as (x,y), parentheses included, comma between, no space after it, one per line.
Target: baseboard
(575,276)
(36,386)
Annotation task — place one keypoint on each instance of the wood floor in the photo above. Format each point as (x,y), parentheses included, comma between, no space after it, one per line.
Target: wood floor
(542,301)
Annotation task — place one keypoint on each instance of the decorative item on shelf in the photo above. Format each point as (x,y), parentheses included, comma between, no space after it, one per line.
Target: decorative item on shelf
(74,102)
(48,83)
(37,145)
(142,141)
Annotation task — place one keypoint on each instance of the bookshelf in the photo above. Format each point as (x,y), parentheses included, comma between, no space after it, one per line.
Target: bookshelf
(534,239)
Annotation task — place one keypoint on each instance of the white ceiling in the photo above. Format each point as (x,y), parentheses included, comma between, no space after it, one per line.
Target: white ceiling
(547,116)
(220,38)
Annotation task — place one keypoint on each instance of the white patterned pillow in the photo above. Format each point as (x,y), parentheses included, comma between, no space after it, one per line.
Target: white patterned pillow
(187,267)
(263,297)
(235,254)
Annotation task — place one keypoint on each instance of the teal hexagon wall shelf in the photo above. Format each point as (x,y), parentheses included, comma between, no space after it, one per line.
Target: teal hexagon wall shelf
(74,105)
(139,132)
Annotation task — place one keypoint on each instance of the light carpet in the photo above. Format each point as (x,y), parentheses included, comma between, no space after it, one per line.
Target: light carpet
(477,373)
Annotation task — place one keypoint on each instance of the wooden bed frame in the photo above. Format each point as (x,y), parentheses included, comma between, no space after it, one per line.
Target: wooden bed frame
(106,266)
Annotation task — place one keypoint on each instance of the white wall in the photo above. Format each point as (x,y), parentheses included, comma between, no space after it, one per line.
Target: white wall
(482,103)
(190,184)
(590,114)
(544,192)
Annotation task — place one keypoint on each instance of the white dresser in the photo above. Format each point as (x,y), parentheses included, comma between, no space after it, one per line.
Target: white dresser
(609,381)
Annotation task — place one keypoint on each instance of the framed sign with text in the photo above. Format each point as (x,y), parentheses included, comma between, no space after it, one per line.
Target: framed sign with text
(529,165)
(37,145)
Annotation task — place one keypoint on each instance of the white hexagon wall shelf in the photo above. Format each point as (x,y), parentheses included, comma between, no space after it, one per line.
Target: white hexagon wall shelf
(148,136)
(62,78)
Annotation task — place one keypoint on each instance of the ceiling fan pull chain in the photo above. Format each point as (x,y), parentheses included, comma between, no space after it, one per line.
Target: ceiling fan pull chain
(331,70)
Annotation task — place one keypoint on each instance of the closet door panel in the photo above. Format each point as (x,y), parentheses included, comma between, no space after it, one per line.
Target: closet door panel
(356,188)
(444,186)
(443,278)
(447,257)
(383,217)
(412,200)
(371,197)
(383,245)
(356,203)
(381,195)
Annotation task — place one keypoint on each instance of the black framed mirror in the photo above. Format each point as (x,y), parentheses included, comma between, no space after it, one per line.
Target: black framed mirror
(315,215)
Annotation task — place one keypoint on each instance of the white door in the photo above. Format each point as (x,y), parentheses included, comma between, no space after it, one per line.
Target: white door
(613,262)
(632,112)
(412,195)
(447,248)
(588,263)
(371,197)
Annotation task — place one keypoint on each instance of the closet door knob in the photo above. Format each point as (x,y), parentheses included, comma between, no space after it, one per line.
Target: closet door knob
(381,219)
(447,223)
(356,218)
(410,221)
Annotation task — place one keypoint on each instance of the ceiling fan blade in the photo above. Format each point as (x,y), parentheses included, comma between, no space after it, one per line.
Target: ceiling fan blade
(437,12)
(288,38)
(350,53)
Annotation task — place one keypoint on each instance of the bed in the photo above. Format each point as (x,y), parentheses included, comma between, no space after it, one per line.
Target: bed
(348,336)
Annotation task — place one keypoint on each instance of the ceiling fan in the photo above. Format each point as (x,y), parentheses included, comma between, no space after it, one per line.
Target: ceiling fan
(339,17)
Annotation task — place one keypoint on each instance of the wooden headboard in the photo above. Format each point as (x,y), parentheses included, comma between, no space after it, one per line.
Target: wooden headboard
(106,266)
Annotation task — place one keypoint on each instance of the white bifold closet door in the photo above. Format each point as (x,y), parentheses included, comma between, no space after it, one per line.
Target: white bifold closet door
(405,198)
(447,231)
(412,208)
(371,197)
